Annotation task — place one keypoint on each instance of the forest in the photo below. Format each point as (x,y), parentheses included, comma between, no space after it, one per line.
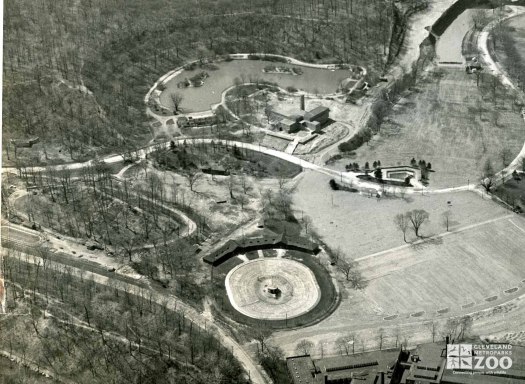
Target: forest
(75,74)
(77,330)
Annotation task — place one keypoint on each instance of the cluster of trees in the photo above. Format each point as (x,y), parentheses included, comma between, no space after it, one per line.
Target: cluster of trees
(82,331)
(414,218)
(355,166)
(348,268)
(457,328)
(92,204)
(424,167)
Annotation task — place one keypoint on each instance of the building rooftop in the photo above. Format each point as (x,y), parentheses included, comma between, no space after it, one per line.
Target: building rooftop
(315,112)
(300,368)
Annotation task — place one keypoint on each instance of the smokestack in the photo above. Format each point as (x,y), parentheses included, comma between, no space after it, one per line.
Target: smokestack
(302,102)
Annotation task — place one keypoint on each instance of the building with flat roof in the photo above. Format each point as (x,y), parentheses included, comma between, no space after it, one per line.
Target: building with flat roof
(427,364)
(320,114)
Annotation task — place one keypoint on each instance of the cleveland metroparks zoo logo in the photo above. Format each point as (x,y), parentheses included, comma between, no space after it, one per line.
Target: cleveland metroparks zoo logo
(482,357)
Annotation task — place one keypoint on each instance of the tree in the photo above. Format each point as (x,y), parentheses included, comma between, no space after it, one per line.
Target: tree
(380,337)
(176,99)
(356,279)
(304,347)
(418,217)
(445,217)
(378,174)
(343,343)
(402,222)
(345,267)
(487,177)
(193,176)
(432,327)
(261,334)
(307,221)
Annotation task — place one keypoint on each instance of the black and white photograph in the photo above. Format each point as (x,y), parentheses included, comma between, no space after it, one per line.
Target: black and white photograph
(262,192)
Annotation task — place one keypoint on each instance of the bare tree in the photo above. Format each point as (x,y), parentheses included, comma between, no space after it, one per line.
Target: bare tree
(418,217)
(402,222)
(487,178)
(307,221)
(356,279)
(261,334)
(304,347)
(176,99)
(432,327)
(445,217)
(343,343)
(345,267)
(381,337)
(193,177)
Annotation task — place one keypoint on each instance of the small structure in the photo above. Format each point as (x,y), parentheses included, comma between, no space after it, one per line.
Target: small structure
(401,172)
(28,143)
(196,120)
(275,291)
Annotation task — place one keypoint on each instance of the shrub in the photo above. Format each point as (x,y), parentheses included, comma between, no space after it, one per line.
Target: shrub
(291,89)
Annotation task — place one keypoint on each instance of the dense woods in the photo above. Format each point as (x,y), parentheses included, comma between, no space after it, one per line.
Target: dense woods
(75,73)
(82,331)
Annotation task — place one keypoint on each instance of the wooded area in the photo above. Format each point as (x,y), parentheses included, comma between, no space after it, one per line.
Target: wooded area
(82,331)
(75,74)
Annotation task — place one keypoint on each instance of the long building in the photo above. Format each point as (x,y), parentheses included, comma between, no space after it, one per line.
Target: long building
(427,364)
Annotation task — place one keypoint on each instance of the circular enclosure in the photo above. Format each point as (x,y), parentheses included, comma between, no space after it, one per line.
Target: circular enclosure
(272,289)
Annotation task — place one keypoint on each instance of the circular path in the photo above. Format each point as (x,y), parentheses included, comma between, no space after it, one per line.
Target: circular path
(272,289)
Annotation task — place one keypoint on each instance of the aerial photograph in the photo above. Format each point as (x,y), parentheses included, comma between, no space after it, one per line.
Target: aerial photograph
(262,192)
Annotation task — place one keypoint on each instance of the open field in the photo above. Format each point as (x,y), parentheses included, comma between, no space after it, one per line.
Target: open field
(453,124)
(463,270)
(360,225)
(460,273)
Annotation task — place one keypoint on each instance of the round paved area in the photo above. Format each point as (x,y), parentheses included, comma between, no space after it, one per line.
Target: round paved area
(272,289)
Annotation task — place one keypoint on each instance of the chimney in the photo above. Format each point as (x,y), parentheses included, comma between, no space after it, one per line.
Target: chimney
(325,379)
(302,102)
(447,340)
(382,377)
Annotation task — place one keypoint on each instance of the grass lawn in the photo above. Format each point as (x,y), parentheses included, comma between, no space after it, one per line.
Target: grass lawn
(360,225)
(463,270)
(453,124)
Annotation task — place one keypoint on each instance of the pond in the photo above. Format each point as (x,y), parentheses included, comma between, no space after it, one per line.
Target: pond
(196,99)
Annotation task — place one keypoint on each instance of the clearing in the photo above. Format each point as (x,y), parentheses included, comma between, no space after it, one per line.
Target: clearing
(450,122)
